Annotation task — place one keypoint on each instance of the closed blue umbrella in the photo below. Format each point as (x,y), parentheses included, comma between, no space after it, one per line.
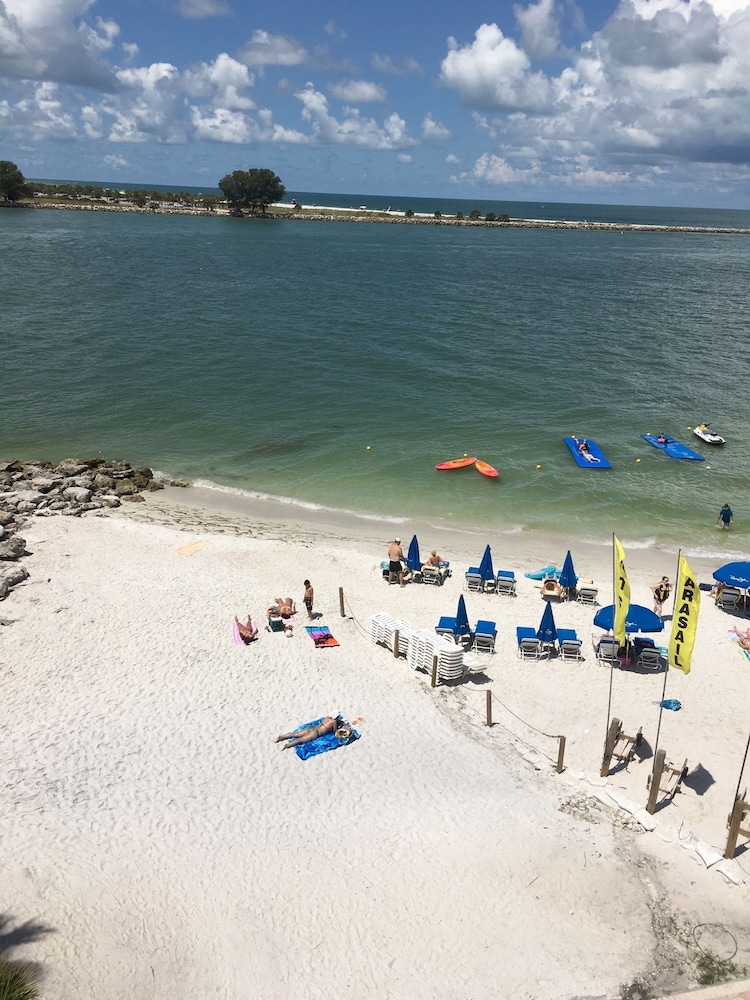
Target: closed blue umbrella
(412,556)
(639,619)
(462,619)
(485,567)
(547,631)
(736,574)
(568,578)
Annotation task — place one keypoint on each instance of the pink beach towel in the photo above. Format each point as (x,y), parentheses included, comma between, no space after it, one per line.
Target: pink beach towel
(236,634)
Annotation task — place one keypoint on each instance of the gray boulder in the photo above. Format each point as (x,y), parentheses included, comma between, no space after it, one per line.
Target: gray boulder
(78,494)
(12,548)
(125,487)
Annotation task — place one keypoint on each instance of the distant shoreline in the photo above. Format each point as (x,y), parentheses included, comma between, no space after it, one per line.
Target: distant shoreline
(320,213)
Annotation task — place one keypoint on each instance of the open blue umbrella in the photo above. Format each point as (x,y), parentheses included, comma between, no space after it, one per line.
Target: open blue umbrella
(412,556)
(736,574)
(547,631)
(485,567)
(568,578)
(462,619)
(639,619)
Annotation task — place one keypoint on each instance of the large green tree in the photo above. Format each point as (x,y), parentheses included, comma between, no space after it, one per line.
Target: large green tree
(255,189)
(12,183)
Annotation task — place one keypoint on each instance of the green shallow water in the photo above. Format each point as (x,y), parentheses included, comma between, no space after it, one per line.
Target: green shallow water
(265,357)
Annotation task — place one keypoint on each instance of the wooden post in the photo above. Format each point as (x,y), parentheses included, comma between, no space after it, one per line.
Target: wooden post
(735,826)
(341,602)
(560,754)
(433,682)
(489,708)
(395,644)
(653,792)
(609,746)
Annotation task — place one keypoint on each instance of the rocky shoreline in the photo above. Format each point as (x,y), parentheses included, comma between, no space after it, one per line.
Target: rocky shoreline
(315,214)
(71,488)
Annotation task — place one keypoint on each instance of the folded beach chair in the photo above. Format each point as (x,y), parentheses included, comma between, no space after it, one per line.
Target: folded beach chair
(587,595)
(608,650)
(569,645)
(473,581)
(506,582)
(728,598)
(529,647)
(484,637)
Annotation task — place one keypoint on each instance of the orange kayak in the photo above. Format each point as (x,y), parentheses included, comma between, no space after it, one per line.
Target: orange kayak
(456,463)
(487,470)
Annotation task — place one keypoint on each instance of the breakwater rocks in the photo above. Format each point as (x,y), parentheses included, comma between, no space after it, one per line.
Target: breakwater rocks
(72,488)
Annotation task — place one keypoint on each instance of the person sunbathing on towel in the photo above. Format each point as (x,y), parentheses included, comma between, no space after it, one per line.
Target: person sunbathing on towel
(743,638)
(248,630)
(286,606)
(331,724)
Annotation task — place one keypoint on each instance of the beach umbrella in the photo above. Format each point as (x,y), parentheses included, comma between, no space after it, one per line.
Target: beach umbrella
(736,574)
(547,631)
(568,578)
(412,556)
(462,619)
(485,567)
(639,619)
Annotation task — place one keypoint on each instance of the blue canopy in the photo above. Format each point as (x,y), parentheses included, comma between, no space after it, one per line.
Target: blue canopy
(412,556)
(639,619)
(462,619)
(485,567)
(736,574)
(568,578)
(547,631)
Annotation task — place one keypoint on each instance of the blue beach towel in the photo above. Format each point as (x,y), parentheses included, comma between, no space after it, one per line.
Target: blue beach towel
(329,741)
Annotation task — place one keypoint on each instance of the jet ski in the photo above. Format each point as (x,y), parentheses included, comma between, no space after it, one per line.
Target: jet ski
(704,432)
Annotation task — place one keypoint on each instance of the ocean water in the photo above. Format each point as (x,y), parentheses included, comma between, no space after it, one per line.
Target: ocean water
(334,364)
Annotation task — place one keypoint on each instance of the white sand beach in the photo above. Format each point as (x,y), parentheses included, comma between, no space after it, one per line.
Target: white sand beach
(172,850)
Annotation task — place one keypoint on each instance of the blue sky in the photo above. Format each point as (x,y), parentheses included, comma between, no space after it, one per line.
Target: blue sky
(612,101)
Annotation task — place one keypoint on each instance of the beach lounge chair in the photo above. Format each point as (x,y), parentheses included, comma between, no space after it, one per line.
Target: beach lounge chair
(484,637)
(447,628)
(608,650)
(433,576)
(490,586)
(587,595)
(506,582)
(569,645)
(473,581)
(728,598)
(529,647)
(649,658)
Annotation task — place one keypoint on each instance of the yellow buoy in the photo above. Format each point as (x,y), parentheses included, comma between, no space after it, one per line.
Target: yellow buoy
(367,448)
(466,454)
(637,461)
(708,468)
(689,428)
(538,468)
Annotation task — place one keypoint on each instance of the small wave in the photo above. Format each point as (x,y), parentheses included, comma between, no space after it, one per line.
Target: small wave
(207,484)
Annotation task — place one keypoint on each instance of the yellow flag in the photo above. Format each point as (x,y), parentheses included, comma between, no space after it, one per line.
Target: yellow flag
(687,602)
(622,593)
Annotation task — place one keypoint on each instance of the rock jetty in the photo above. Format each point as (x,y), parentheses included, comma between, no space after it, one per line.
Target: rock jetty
(72,488)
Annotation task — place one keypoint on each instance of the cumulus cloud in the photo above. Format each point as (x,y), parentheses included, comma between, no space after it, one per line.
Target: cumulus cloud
(198,9)
(222,125)
(265,49)
(540,30)
(358,91)
(493,73)
(51,42)
(115,161)
(225,81)
(353,129)
(434,130)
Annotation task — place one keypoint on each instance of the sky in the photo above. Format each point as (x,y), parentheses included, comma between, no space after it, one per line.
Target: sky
(639,102)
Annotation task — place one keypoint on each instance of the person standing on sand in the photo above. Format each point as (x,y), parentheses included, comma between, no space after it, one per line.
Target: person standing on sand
(726,516)
(395,566)
(308,599)
(661,592)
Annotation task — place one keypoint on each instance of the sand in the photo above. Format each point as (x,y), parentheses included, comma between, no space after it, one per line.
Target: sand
(169,848)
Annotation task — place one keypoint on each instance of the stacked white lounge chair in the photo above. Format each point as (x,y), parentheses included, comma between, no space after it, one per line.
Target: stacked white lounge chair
(383,628)
(424,645)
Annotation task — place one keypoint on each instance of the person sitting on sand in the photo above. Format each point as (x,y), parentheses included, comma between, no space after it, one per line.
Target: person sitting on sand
(331,724)
(248,630)
(585,450)
(743,638)
(550,587)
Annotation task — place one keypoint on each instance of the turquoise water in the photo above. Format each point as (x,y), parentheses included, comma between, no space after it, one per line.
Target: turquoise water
(266,356)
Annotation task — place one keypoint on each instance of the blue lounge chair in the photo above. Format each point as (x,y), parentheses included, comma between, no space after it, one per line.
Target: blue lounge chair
(529,647)
(484,637)
(569,645)
(506,582)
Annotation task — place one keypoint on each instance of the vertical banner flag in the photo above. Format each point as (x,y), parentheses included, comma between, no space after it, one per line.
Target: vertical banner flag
(622,593)
(687,602)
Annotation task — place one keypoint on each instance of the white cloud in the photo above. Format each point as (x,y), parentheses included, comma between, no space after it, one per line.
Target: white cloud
(330,29)
(265,49)
(496,170)
(131,51)
(353,129)
(540,31)
(198,9)
(358,91)
(232,126)
(452,158)
(385,64)
(115,161)
(404,157)
(224,81)
(434,130)
(494,74)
